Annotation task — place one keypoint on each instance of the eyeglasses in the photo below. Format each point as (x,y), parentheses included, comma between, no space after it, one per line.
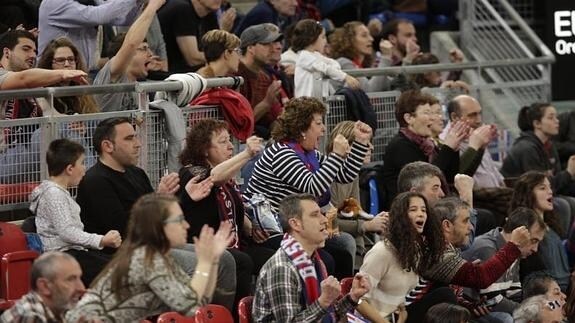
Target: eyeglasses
(144,48)
(554,304)
(63,60)
(178,219)
(237,50)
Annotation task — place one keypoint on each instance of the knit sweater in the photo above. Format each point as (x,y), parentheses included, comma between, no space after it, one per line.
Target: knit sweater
(152,289)
(58,219)
(390,283)
(453,269)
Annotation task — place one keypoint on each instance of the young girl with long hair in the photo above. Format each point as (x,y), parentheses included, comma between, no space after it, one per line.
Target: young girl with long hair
(413,242)
(533,190)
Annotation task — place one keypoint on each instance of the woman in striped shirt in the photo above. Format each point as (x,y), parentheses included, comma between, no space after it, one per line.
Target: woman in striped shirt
(293,164)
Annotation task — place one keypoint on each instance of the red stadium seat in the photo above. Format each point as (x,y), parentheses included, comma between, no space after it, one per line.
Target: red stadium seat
(175,317)
(16,262)
(245,309)
(16,193)
(212,313)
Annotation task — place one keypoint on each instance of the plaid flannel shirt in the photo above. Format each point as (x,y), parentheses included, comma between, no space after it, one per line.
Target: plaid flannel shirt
(29,309)
(279,296)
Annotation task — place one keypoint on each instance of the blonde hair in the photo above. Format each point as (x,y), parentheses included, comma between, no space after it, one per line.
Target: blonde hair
(344,128)
(216,41)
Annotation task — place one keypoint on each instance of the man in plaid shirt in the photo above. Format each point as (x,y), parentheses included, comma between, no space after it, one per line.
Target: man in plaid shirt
(293,285)
(56,287)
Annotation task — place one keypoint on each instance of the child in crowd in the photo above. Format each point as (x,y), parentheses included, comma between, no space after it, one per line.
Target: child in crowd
(309,41)
(58,215)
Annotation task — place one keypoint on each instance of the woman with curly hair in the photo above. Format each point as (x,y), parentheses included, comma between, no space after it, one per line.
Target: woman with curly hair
(293,164)
(61,53)
(533,190)
(208,157)
(413,242)
(352,47)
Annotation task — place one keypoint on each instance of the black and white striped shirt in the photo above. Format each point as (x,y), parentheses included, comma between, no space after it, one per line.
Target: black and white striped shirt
(280,172)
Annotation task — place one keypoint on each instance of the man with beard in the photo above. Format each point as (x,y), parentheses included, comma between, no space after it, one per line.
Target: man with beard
(19,145)
(56,287)
(264,91)
(401,34)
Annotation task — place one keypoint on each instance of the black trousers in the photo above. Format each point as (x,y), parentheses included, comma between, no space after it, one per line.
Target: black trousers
(91,261)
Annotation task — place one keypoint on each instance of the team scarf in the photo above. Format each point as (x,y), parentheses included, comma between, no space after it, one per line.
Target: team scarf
(425,144)
(309,158)
(227,209)
(308,269)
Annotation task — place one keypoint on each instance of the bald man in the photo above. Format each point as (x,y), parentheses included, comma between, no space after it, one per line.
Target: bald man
(466,108)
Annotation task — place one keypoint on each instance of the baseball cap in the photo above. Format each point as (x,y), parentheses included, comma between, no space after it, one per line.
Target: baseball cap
(260,34)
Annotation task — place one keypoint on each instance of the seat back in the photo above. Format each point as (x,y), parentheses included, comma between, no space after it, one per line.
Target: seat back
(245,309)
(213,313)
(175,317)
(15,270)
(11,238)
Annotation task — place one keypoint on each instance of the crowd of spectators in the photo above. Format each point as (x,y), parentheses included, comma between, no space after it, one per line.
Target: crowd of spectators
(122,250)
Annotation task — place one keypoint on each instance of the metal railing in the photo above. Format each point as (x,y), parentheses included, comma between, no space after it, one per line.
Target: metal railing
(24,142)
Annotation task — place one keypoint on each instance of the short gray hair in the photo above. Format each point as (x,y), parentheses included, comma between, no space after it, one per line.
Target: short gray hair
(446,208)
(45,266)
(529,309)
(290,207)
(413,174)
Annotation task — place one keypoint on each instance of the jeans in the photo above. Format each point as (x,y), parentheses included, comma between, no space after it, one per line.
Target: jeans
(225,291)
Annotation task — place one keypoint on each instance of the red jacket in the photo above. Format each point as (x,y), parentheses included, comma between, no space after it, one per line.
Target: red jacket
(236,108)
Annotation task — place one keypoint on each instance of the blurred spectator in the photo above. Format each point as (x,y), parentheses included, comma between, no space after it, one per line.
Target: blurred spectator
(401,34)
(352,46)
(538,309)
(434,79)
(18,13)
(309,41)
(56,288)
(277,12)
(565,140)
(19,145)
(79,21)
(61,53)
(184,22)
(543,284)
(534,150)
(358,226)
(447,313)
(130,57)
(264,92)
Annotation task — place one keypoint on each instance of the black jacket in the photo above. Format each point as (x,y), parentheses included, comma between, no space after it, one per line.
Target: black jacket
(528,153)
(401,151)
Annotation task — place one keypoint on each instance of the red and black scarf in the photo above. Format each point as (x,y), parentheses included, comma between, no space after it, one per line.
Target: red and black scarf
(424,143)
(227,209)
(311,271)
